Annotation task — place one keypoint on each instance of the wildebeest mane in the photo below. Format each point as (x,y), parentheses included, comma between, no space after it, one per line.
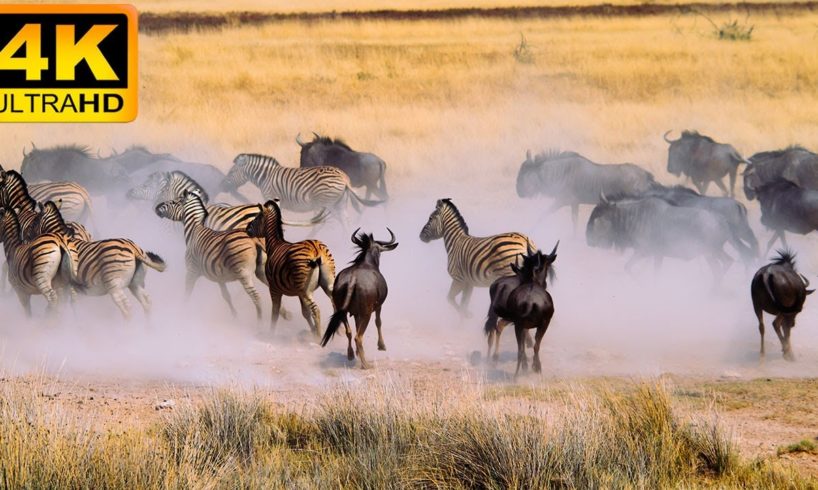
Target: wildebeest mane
(83,150)
(326,140)
(553,154)
(689,133)
(785,257)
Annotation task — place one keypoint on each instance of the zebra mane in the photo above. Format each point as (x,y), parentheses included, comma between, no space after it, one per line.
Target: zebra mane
(189,183)
(14,177)
(447,202)
(264,158)
(278,227)
(54,211)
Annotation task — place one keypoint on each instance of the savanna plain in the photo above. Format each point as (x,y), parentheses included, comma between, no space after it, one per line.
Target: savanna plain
(650,380)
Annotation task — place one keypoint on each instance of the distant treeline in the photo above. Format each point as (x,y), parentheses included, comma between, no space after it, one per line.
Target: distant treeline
(151,22)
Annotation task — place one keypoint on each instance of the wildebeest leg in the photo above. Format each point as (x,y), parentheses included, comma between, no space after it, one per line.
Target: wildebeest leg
(537,340)
(717,270)
(309,308)
(721,186)
(381,343)
(629,264)
(276,309)
(361,322)
(227,299)
(522,361)
(732,174)
(700,186)
(454,290)
(786,325)
(777,327)
(575,216)
(350,352)
(501,325)
(247,284)
(777,235)
(760,316)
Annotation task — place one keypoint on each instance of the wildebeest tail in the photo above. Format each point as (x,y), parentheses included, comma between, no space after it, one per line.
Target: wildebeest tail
(340,314)
(153,261)
(491,323)
(357,200)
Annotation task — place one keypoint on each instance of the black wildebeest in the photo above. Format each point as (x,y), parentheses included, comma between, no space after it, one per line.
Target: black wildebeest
(733,212)
(528,306)
(363,169)
(787,207)
(571,179)
(74,164)
(653,227)
(360,290)
(703,160)
(779,290)
(796,164)
(500,291)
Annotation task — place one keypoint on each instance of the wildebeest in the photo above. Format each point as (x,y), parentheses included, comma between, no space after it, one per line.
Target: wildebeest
(529,305)
(733,212)
(74,163)
(779,290)
(787,207)
(571,179)
(363,169)
(500,291)
(703,160)
(653,227)
(796,164)
(360,290)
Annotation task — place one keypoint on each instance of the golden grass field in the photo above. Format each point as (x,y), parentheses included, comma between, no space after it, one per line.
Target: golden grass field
(433,98)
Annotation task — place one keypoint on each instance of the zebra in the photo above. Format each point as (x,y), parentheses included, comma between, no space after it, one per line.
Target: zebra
(298,189)
(472,261)
(40,266)
(105,267)
(221,256)
(224,217)
(293,269)
(161,187)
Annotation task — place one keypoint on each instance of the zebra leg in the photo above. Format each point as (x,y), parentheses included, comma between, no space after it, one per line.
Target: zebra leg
(4,277)
(309,308)
(190,281)
(247,283)
(121,301)
(454,290)
(361,322)
(227,298)
(276,309)
(464,301)
(142,297)
(381,343)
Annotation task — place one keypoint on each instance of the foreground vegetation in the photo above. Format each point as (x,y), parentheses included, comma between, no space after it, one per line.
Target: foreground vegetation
(382,438)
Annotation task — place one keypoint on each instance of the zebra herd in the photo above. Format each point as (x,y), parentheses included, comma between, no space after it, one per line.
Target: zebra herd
(50,252)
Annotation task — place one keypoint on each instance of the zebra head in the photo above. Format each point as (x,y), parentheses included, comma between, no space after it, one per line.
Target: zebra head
(151,188)
(171,210)
(433,229)
(238,174)
(267,222)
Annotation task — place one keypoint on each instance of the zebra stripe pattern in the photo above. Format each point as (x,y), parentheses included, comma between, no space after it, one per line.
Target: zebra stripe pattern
(297,189)
(221,256)
(41,266)
(293,269)
(160,187)
(75,201)
(220,217)
(472,261)
(105,266)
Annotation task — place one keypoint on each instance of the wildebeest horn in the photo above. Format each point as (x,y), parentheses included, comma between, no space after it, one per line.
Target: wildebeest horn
(665,136)
(354,236)
(602,198)
(553,253)
(298,140)
(33,146)
(391,237)
(806,281)
(317,136)
(527,155)
(24,151)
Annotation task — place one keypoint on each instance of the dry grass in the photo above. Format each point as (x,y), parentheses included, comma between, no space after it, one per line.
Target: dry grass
(379,438)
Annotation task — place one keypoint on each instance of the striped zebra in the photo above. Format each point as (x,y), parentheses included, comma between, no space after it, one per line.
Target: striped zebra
(105,267)
(223,217)
(472,261)
(293,269)
(76,202)
(161,187)
(221,256)
(41,266)
(297,189)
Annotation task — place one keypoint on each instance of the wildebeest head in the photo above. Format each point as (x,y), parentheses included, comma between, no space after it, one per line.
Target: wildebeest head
(537,267)
(433,229)
(752,181)
(367,245)
(601,226)
(528,179)
(151,188)
(676,155)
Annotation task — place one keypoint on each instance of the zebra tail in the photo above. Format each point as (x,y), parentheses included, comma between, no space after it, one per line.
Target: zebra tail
(68,269)
(356,200)
(153,261)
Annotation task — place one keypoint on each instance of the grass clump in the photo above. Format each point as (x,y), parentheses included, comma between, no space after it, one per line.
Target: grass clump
(522,52)
(803,446)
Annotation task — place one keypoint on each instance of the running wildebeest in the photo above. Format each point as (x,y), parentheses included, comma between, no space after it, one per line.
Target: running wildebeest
(703,160)
(653,227)
(501,290)
(796,164)
(74,164)
(779,290)
(571,179)
(733,212)
(363,169)
(359,290)
(528,306)
(787,207)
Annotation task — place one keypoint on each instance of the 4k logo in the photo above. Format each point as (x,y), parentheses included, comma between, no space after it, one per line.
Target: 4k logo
(68,63)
